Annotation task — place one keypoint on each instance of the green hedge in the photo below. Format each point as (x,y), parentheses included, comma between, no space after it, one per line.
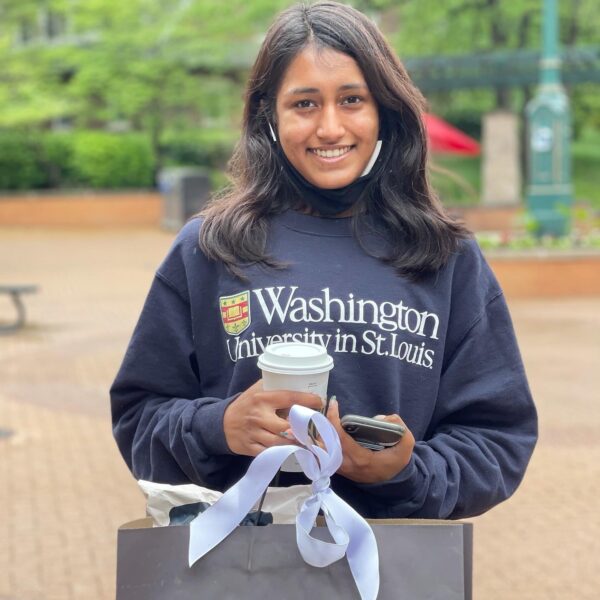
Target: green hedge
(206,148)
(55,152)
(99,159)
(93,159)
(109,160)
(20,165)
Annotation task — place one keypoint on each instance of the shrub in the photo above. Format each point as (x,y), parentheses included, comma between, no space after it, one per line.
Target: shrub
(110,160)
(468,122)
(20,167)
(456,179)
(56,158)
(202,148)
(61,159)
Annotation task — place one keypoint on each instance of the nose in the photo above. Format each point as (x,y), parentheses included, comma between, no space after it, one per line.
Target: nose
(330,127)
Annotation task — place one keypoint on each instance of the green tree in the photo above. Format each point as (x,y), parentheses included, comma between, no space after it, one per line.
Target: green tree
(428,27)
(146,64)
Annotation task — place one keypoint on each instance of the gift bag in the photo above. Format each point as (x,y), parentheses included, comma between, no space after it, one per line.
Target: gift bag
(349,559)
(418,560)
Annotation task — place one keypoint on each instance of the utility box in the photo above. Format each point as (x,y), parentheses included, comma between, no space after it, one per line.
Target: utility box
(549,193)
(185,191)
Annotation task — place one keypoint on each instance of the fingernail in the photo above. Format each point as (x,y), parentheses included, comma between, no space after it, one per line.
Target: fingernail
(380,417)
(289,435)
(284,434)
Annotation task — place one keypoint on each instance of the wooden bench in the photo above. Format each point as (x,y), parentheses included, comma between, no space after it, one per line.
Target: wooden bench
(15,292)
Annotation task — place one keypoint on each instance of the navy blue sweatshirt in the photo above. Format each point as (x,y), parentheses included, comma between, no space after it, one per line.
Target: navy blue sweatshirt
(440,352)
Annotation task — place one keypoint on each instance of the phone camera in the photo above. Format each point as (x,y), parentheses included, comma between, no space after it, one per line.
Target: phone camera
(351,428)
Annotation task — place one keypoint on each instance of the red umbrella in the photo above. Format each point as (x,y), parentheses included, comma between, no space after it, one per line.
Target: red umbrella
(445,138)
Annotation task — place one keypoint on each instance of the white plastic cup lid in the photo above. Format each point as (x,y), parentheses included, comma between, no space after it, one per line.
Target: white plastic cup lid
(298,358)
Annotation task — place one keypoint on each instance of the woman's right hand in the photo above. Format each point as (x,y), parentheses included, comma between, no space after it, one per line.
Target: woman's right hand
(251,422)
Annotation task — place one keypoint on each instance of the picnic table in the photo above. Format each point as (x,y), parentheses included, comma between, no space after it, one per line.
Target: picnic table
(15,292)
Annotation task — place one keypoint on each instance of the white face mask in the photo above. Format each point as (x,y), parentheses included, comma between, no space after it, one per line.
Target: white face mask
(328,202)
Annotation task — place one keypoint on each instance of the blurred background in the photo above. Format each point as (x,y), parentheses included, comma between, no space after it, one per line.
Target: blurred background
(117,120)
(102,94)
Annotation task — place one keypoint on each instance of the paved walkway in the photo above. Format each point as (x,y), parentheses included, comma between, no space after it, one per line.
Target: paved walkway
(64,489)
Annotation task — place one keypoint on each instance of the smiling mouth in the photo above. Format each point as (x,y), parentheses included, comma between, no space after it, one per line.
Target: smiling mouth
(334,153)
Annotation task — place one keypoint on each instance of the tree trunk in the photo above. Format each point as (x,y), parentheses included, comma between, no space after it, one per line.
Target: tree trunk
(503,97)
(572,29)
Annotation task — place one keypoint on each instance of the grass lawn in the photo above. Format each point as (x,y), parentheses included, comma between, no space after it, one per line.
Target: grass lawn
(459,179)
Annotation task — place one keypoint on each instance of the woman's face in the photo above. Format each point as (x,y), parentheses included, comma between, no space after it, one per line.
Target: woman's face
(327,120)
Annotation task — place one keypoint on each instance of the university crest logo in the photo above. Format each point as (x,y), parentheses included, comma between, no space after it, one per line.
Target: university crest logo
(235,312)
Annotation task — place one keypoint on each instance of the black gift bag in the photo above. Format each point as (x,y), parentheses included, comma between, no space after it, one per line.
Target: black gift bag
(419,560)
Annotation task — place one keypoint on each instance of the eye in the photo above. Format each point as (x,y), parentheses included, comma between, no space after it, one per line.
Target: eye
(304,104)
(352,100)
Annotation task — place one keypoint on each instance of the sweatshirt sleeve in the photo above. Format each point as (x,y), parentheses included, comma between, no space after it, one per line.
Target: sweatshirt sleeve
(164,427)
(482,434)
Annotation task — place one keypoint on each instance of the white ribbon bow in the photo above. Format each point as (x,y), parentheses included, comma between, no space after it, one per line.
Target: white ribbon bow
(352,535)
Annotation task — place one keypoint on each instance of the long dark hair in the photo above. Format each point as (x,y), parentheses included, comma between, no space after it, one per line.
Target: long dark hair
(398,200)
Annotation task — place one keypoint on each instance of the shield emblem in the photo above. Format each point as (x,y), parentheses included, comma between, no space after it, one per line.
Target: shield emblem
(235,312)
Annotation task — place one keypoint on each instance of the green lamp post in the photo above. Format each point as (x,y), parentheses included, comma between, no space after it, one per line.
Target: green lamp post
(549,191)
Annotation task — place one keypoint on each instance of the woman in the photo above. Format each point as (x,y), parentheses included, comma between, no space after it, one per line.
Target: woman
(330,234)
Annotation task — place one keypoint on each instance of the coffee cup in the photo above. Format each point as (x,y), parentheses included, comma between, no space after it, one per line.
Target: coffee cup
(296,366)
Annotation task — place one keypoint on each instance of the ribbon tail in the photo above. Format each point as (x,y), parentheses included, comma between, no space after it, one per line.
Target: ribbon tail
(315,552)
(212,526)
(362,553)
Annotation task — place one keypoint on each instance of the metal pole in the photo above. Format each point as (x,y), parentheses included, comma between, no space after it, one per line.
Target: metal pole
(550,65)
(549,192)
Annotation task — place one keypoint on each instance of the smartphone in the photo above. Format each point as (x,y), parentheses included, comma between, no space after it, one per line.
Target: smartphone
(373,434)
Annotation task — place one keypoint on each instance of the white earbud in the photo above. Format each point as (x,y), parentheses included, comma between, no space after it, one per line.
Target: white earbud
(272,133)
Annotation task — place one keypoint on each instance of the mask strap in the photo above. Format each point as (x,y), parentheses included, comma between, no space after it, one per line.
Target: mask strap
(272,132)
(374,157)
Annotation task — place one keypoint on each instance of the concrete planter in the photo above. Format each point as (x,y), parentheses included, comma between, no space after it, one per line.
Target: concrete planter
(547,273)
(137,208)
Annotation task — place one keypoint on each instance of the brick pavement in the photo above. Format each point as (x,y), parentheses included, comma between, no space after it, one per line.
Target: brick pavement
(64,488)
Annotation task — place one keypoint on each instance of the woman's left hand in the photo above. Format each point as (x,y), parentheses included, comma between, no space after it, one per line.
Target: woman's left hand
(368,466)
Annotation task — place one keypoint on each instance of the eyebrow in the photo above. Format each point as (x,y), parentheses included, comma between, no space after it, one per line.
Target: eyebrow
(312,90)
